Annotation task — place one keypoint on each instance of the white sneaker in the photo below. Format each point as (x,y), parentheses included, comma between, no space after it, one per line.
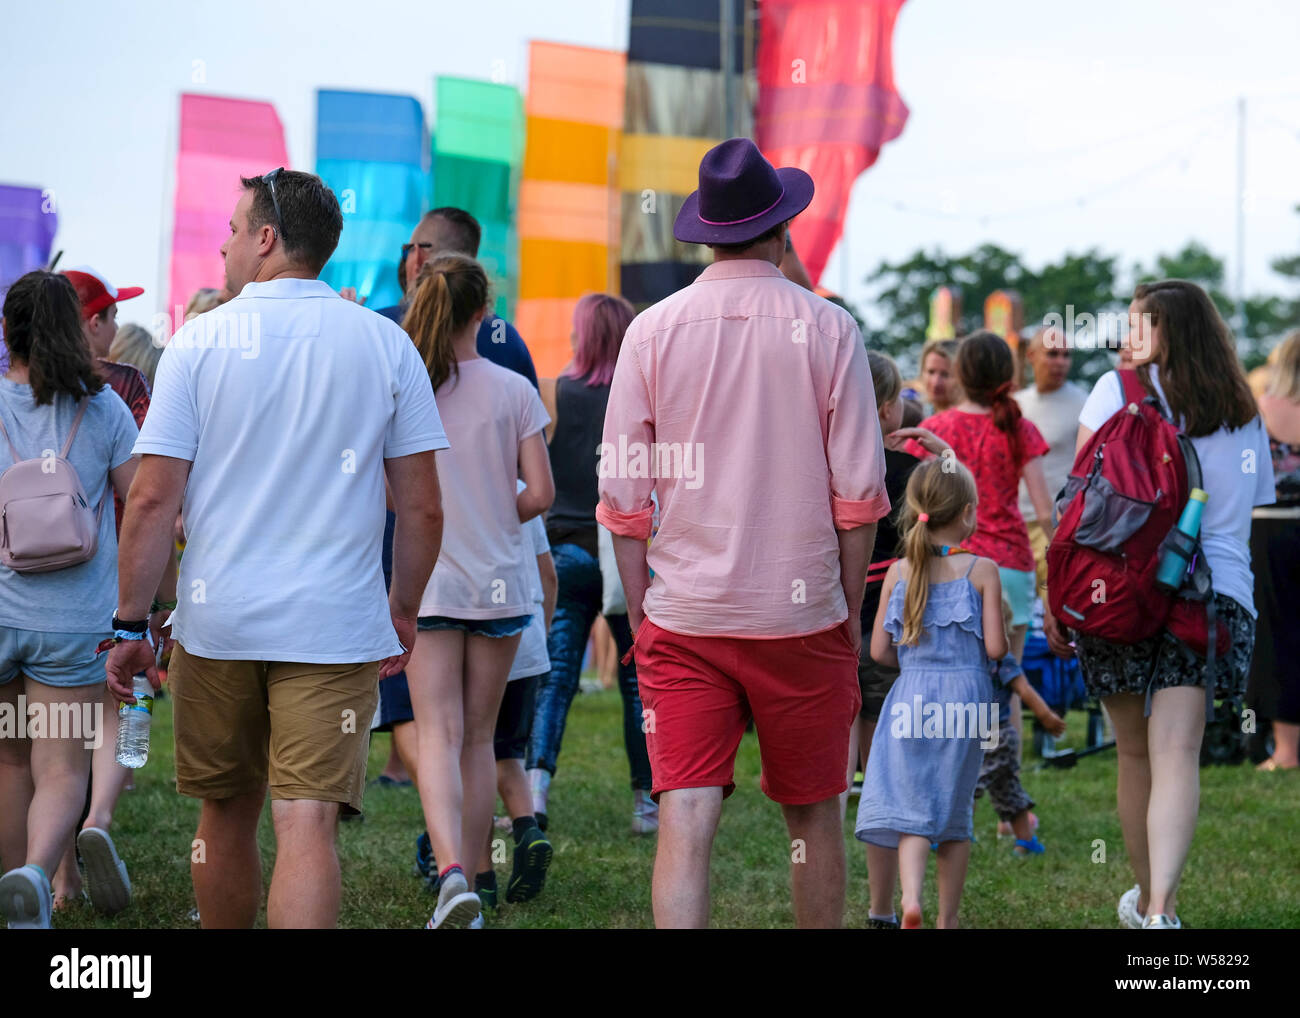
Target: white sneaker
(107,884)
(26,899)
(477,924)
(1161,922)
(645,813)
(1128,908)
(457,904)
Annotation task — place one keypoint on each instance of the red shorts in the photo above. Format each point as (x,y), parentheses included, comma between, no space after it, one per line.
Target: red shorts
(700,691)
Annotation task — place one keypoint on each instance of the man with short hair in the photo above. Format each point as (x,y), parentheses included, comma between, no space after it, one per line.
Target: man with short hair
(1052,404)
(744,402)
(443,231)
(277,418)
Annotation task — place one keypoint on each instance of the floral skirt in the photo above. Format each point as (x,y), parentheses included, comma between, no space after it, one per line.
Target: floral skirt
(1165,661)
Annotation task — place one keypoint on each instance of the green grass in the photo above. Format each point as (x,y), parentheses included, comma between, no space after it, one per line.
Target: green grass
(1243,871)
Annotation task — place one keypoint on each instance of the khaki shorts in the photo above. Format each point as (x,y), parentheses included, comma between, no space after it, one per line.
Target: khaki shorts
(305,728)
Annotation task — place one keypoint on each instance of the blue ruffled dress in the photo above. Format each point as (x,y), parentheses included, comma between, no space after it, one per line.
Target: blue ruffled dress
(926,785)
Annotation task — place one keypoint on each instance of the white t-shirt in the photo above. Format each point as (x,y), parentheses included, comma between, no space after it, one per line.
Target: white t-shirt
(287,400)
(1237,472)
(482,570)
(532,658)
(1056,415)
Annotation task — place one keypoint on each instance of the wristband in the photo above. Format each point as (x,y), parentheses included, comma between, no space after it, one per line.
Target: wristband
(122,625)
(122,635)
(159,606)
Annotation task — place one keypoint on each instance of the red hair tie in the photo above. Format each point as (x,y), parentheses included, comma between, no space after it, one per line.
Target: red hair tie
(923,517)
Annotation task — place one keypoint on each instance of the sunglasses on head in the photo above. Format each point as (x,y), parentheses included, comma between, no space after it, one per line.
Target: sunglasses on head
(269,181)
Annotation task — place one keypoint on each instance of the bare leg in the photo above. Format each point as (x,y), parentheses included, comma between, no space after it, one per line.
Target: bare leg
(60,770)
(395,768)
(853,765)
(225,863)
(512,786)
(882,878)
(15,785)
(436,677)
(688,821)
(406,743)
(1133,790)
(1286,744)
(818,881)
(604,653)
(307,883)
(913,856)
(487,663)
(953,857)
(1174,734)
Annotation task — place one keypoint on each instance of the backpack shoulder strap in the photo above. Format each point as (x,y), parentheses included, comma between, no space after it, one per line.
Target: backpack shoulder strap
(1132,386)
(76,423)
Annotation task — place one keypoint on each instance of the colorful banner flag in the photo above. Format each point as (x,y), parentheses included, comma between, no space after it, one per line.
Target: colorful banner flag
(478,154)
(220,141)
(28,221)
(674,115)
(372,150)
(568,202)
(826,103)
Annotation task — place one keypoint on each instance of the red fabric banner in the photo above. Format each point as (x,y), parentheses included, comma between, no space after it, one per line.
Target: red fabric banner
(826,103)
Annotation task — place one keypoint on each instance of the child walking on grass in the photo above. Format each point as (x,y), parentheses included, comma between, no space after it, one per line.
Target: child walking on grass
(1000,773)
(940,623)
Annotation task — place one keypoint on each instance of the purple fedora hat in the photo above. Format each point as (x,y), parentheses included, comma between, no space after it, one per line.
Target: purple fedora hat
(741,196)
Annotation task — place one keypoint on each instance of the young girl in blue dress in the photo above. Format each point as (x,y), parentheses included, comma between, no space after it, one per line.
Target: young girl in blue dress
(940,622)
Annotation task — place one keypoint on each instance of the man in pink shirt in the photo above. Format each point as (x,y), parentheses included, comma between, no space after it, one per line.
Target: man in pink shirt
(745,403)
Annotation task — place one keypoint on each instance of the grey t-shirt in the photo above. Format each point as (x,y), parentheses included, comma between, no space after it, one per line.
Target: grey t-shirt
(79,599)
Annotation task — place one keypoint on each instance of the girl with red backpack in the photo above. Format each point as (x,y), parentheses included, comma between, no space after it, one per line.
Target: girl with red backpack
(1186,362)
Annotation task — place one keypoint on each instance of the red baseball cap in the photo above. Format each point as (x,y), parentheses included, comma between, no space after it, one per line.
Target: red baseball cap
(96,292)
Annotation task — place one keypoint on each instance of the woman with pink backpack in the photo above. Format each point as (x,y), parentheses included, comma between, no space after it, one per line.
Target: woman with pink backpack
(1154,689)
(58,578)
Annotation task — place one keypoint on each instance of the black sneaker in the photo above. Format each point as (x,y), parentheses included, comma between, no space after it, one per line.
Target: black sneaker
(882,924)
(424,861)
(528,875)
(486,889)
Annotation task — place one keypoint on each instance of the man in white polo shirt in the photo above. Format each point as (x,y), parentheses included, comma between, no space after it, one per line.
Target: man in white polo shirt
(277,417)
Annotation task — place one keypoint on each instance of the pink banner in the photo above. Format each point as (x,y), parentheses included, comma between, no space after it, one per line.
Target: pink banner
(220,141)
(826,103)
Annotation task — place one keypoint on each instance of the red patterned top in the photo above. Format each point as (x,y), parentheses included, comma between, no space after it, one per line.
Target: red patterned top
(1000,532)
(132,387)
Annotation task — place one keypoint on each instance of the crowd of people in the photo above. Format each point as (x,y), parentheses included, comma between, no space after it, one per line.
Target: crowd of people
(775,532)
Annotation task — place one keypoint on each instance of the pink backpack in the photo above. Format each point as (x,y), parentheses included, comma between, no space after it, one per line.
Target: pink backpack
(45,521)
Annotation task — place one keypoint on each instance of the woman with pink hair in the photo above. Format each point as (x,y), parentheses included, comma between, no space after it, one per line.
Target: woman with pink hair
(576,402)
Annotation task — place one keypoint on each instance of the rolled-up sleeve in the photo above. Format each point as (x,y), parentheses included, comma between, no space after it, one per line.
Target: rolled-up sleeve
(625,508)
(855,452)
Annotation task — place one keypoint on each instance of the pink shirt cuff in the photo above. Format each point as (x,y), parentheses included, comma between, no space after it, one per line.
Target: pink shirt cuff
(636,524)
(848,514)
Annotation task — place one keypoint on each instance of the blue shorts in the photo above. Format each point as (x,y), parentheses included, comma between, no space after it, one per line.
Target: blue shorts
(1018,588)
(52,659)
(498,629)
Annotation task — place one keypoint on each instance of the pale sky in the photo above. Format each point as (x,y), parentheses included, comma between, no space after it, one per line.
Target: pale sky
(1040,125)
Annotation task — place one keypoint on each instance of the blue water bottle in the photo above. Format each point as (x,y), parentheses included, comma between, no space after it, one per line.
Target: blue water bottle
(1180,545)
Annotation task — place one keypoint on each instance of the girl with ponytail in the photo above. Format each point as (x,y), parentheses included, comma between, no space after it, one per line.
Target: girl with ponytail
(51,623)
(940,623)
(989,435)
(479,599)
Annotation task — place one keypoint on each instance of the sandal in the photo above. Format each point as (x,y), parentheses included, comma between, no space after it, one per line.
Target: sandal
(1272,765)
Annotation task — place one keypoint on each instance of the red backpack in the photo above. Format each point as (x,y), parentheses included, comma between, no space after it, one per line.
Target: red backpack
(1125,494)
(1117,515)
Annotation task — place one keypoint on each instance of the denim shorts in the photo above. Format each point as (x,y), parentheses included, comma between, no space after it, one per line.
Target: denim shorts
(52,659)
(495,628)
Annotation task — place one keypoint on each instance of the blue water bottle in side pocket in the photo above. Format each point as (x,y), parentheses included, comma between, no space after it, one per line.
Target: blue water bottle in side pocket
(1180,545)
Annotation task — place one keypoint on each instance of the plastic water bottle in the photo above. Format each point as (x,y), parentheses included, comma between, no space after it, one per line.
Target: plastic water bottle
(133,720)
(1174,562)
